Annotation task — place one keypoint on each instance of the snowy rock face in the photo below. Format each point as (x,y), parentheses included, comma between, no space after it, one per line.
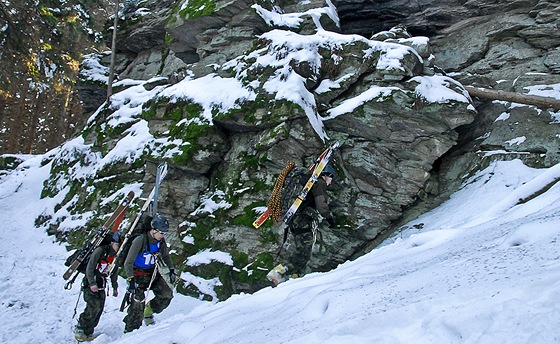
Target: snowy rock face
(244,89)
(502,45)
(507,46)
(521,39)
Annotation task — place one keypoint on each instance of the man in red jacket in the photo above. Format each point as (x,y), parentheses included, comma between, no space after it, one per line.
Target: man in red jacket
(94,285)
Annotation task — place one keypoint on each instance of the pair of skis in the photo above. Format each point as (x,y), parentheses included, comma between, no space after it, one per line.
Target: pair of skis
(151,201)
(316,170)
(102,232)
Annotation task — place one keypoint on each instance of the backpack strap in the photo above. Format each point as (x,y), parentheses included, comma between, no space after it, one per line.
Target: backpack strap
(286,228)
(146,243)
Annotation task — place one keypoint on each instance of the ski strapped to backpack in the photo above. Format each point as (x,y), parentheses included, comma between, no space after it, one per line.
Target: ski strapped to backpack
(81,256)
(130,234)
(315,171)
(146,213)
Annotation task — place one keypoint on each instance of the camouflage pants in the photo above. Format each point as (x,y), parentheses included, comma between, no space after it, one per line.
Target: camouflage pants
(303,228)
(163,295)
(94,308)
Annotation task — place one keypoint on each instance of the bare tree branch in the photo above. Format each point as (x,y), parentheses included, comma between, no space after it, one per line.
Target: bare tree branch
(538,101)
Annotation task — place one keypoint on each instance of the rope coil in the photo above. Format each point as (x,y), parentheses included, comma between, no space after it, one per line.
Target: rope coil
(274,203)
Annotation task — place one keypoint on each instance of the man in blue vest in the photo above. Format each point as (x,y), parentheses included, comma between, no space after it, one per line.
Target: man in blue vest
(143,274)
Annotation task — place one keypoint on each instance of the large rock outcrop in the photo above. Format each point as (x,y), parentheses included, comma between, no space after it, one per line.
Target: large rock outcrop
(244,89)
(502,45)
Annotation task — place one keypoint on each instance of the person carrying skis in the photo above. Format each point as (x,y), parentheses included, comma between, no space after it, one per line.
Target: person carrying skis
(94,285)
(305,222)
(143,274)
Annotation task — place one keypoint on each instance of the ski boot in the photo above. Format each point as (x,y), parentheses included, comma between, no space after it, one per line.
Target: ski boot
(81,336)
(278,275)
(149,315)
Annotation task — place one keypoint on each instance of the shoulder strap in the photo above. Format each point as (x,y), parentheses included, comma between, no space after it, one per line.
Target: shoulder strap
(146,243)
(286,229)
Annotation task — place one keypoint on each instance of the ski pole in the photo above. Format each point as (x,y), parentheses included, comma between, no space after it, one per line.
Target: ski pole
(126,300)
(77,301)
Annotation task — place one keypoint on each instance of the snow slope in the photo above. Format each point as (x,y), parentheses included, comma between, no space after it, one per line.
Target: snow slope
(479,269)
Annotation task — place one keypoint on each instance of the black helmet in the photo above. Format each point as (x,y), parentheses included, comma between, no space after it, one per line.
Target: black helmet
(160,223)
(116,237)
(329,171)
(111,237)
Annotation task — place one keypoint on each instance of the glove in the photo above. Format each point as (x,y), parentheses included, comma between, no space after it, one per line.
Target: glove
(172,276)
(131,285)
(330,221)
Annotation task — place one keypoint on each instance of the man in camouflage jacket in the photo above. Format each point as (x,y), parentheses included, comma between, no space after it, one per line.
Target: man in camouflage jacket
(94,286)
(305,222)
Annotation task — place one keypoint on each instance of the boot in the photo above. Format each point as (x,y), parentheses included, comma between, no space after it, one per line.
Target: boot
(81,336)
(149,315)
(149,320)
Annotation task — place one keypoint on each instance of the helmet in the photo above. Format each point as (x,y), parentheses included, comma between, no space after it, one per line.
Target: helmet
(116,237)
(329,171)
(160,223)
(111,237)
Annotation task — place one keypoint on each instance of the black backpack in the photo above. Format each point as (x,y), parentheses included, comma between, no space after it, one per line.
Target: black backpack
(82,267)
(142,228)
(293,184)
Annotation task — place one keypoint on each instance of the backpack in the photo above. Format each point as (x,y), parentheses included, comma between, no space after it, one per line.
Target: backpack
(82,267)
(293,184)
(287,188)
(142,228)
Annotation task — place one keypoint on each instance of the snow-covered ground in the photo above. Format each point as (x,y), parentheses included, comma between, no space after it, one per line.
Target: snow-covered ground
(478,269)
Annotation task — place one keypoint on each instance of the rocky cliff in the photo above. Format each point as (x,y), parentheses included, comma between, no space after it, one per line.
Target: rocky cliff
(229,91)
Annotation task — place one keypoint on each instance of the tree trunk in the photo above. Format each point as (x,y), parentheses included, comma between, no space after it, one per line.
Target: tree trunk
(538,101)
(113,51)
